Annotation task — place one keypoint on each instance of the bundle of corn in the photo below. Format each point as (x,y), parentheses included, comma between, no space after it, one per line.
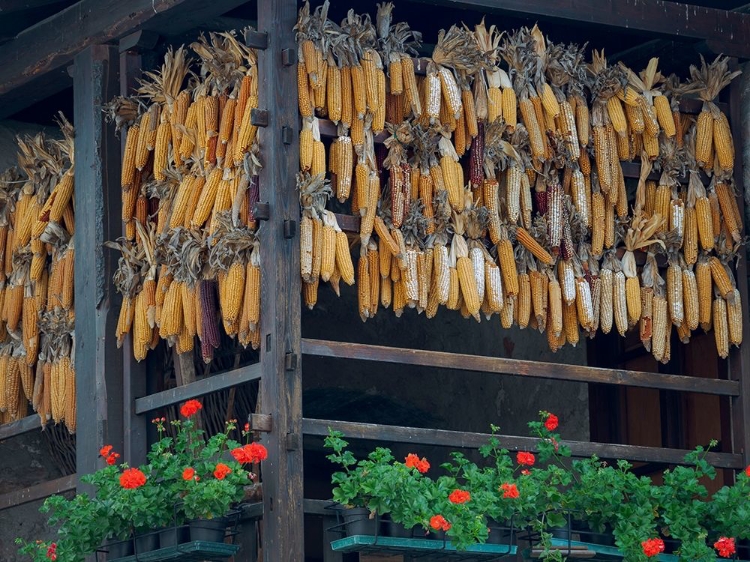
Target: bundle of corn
(36,277)
(714,147)
(459,162)
(187,209)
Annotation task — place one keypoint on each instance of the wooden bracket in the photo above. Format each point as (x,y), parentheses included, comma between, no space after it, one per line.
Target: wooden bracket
(288,57)
(290,361)
(287,135)
(259,117)
(290,228)
(261,422)
(256,39)
(292,441)
(261,211)
(139,41)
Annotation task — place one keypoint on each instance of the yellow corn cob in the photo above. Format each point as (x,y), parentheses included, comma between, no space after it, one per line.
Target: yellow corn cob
(128,159)
(664,115)
(606,308)
(333,94)
(495,103)
(705,292)
(207,198)
(359,95)
(181,201)
(509,108)
(554,307)
(522,310)
(344,259)
(704,223)
(303,91)
(307,244)
(234,286)
(363,287)
(723,143)
(635,119)
(690,241)
(328,252)
(532,125)
(617,116)
(721,327)
(727,203)
(372,267)
(305,148)
(539,296)
(734,319)
(646,320)
(721,278)
(619,302)
(704,139)
(690,299)
(661,327)
(310,293)
(507,263)
(633,299)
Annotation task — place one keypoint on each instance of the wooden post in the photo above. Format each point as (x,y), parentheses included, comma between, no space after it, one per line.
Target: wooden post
(98,362)
(281,386)
(739,359)
(135,427)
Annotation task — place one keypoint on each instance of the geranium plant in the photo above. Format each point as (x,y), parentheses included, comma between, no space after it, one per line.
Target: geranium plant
(536,492)
(187,477)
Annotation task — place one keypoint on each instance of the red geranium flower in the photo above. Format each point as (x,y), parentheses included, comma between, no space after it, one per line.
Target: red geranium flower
(747,471)
(52,551)
(652,547)
(240,455)
(725,547)
(551,422)
(510,491)
(188,474)
(257,452)
(459,496)
(221,471)
(525,459)
(132,478)
(112,458)
(104,451)
(422,465)
(190,408)
(439,523)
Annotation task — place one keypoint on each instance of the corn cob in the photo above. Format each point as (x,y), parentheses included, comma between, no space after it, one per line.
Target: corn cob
(734,319)
(661,327)
(727,202)
(646,326)
(704,139)
(722,142)
(721,278)
(721,327)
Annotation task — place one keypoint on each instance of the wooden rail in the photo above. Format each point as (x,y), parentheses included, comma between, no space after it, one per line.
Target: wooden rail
(19,427)
(519,367)
(200,387)
(38,492)
(465,440)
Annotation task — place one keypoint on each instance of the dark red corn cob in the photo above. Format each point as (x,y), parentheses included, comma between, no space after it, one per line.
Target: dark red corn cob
(211,336)
(476,158)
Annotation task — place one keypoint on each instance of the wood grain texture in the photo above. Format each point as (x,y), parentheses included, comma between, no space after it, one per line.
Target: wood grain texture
(98,362)
(198,388)
(724,31)
(38,492)
(460,439)
(19,427)
(518,367)
(281,387)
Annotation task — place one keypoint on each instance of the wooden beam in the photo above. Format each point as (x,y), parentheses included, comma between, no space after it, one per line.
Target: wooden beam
(281,385)
(98,362)
(19,427)
(518,367)
(135,374)
(38,492)
(198,388)
(54,42)
(460,439)
(723,30)
(739,358)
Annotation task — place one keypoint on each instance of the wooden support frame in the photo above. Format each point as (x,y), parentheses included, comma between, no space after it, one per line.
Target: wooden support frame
(518,367)
(19,427)
(460,439)
(97,200)
(198,388)
(723,31)
(38,492)
(281,384)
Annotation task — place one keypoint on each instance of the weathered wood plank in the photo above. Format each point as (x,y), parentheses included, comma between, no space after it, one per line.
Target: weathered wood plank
(281,385)
(721,29)
(519,367)
(198,388)
(135,427)
(459,439)
(54,42)
(38,492)
(739,358)
(97,201)
(19,427)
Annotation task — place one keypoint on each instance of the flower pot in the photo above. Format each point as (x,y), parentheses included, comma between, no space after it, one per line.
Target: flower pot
(172,536)
(358,522)
(208,530)
(146,542)
(393,529)
(119,549)
(499,532)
